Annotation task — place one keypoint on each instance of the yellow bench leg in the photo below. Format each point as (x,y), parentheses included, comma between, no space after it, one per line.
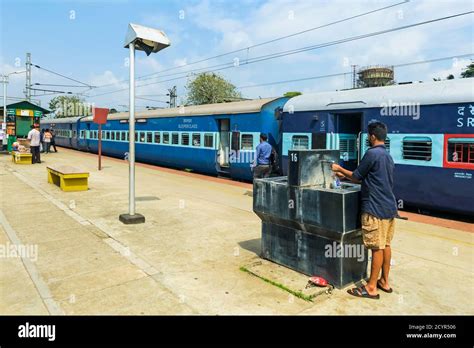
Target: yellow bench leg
(50,177)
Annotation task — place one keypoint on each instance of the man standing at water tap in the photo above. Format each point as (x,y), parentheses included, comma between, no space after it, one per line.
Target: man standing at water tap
(379,208)
(263,151)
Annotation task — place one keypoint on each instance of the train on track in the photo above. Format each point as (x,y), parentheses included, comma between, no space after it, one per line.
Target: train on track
(431,136)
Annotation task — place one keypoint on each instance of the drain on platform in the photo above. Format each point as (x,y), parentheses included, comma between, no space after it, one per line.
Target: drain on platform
(285,278)
(147,198)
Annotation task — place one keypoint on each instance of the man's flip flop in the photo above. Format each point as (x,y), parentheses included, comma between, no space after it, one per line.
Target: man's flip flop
(362,292)
(388,291)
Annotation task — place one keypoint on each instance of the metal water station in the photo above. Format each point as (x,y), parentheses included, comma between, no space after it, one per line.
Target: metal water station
(310,222)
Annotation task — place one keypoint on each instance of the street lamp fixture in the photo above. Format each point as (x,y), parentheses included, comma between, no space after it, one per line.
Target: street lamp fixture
(150,41)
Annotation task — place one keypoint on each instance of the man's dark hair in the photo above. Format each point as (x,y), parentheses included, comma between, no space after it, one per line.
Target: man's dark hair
(263,136)
(32,126)
(378,129)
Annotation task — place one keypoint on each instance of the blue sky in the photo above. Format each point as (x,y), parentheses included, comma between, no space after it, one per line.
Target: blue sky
(84,40)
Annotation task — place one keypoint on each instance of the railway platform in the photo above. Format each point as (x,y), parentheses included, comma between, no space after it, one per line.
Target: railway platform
(200,233)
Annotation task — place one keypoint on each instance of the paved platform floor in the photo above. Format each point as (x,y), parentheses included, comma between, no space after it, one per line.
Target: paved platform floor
(185,259)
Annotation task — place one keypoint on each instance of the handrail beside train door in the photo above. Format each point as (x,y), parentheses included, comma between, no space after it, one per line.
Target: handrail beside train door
(359,147)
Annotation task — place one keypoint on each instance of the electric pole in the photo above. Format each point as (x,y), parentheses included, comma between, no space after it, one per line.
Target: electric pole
(172,93)
(28,77)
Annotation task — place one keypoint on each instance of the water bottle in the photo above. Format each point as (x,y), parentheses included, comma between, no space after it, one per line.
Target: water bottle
(336,183)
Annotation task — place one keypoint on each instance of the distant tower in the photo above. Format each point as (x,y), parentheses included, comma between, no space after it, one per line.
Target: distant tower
(354,76)
(376,76)
(28,77)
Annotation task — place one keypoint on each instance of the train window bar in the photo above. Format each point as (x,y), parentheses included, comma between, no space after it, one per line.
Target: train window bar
(417,148)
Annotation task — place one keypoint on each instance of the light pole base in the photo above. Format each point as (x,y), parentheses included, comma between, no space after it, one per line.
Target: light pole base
(128,219)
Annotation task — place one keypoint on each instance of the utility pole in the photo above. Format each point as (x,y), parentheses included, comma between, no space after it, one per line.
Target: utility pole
(4,123)
(28,77)
(173,94)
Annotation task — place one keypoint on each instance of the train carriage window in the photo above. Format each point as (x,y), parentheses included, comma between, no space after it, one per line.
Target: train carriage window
(417,148)
(461,150)
(387,144)
(136,136)
(103,134)
(81,134)
(112,135)
(299,142)
(185,139)
(175,138)
(196,139)
(348,146)
(142,137)
(157,137)
(117,135)
(247,142)
(166,138)
(208,140)
(123,136)
(74,134)
(149,137)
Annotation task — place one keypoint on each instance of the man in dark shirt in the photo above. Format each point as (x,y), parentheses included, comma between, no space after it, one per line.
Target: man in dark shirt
(378,207)
(263,153)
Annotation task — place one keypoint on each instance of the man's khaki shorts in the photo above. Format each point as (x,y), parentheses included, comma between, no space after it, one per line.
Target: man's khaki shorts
(377,233)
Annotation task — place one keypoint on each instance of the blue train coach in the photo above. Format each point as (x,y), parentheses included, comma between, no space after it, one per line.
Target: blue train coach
(216,139)
(430,138)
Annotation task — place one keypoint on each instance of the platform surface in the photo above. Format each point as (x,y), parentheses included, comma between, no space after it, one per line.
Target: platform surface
(187,257)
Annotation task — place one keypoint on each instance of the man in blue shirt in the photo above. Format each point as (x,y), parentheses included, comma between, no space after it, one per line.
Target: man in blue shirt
(263,151)
(378,207)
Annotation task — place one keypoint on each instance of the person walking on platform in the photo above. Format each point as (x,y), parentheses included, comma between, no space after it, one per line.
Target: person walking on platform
(47,140)
(378,206)
(262,168)
(34,136)
(53,139)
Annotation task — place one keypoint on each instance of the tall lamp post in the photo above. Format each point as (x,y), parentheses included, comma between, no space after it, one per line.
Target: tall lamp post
(4,122)
(151,41)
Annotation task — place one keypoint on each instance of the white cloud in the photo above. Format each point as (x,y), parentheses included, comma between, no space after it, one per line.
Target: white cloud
(279,18)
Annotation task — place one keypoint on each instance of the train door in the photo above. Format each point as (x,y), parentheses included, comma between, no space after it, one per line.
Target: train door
(73,139)
(224,142)
(348,128)
(87,136)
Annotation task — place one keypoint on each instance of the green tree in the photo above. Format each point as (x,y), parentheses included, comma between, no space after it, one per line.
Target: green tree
(67,106)
(210,88)
(292,94)
(468,71)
